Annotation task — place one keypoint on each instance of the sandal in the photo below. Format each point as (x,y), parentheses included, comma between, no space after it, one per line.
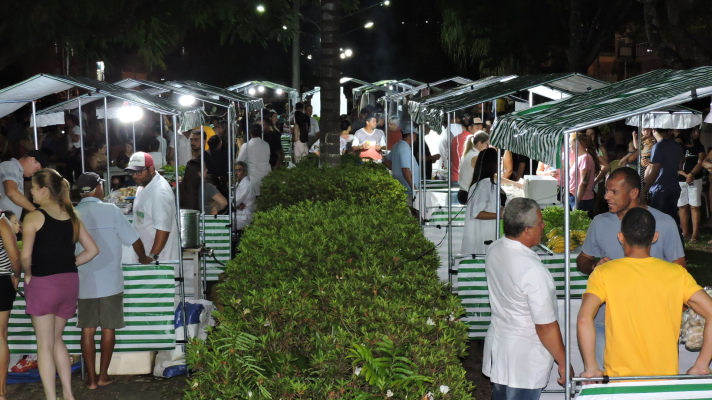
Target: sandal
(693,241)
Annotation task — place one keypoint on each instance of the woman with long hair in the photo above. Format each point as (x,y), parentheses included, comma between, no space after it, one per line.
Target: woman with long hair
(96,159)
(50,234)
(599,183)
(481,212)
(213,201)
(690,178)
(473,146)
(581,195)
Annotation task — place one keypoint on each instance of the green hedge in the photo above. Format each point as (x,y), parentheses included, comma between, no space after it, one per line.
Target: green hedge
(323,290)
(359,184)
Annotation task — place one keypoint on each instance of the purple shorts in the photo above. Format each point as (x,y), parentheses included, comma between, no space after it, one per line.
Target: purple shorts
(54,294)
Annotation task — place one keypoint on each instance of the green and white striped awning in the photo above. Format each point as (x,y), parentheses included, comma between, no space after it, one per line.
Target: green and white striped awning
(432,111)
(537,132)
(251,103)
(245,86)
(650,390)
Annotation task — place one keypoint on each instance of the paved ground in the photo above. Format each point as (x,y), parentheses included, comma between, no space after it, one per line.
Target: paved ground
(140,387)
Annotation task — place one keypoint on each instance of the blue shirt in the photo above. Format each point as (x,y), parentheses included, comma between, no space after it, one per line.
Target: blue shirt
(103,276)
(668,154)
(11,171)
(401,156)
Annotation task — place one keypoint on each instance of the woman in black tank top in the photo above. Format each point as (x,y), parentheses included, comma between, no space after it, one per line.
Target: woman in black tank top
(51,279)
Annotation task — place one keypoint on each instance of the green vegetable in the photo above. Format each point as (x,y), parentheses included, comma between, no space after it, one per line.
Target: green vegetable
(553,216)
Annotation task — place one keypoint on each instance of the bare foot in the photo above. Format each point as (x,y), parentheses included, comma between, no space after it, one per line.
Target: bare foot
(104,382)
(90,385)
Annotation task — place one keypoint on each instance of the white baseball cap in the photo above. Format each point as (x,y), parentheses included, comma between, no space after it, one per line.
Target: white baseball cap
(139,161)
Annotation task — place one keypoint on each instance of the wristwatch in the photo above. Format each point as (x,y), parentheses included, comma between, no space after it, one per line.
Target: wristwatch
(154,256)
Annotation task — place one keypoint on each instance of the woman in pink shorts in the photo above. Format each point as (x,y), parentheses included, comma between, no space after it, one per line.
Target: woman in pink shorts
(50,234)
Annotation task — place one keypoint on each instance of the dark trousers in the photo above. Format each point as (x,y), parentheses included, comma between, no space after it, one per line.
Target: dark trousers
(666,202)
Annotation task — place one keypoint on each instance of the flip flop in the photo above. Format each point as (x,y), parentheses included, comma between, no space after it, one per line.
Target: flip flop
(693,241)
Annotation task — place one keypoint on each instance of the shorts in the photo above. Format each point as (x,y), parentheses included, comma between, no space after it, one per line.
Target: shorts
(300,150)
(106,312)
(7,293)
(54,294)
(690,194)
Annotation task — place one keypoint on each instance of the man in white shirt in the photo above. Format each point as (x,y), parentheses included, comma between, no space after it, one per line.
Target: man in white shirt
(455,130)
(523,339)
(184,151)
(432,139)
(154,210)
(313,125)
(101,280)
(244,199)
(256,154)
(369,140)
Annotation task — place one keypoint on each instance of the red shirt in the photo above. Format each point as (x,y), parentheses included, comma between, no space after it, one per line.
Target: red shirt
(457,147)
(393,138)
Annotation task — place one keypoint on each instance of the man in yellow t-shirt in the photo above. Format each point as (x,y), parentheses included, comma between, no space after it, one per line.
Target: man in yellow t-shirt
(645,296)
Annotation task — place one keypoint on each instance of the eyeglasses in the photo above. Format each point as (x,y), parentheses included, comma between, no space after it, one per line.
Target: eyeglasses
(139,172)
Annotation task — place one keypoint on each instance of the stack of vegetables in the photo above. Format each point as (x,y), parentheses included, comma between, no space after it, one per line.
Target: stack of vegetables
(554,218)
(693,327)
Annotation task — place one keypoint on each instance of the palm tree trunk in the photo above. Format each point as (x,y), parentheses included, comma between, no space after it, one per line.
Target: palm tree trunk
(329,82)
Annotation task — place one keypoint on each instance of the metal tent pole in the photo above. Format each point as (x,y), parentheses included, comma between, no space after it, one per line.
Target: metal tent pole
(133,130)
(231,166)
(163,149)
(34,121)
(262,122)
(422,174)
(181,277)
(499,188)
(386,123)
(106,132)
(81,134)
(576,199)
(449,199)
(203,264)
(567,274)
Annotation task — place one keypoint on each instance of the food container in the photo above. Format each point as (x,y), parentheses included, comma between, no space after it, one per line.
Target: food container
(189,228)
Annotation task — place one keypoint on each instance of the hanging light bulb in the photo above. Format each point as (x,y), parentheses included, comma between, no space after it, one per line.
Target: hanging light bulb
(279,92)
(251,91)
(186,100)
(261,89)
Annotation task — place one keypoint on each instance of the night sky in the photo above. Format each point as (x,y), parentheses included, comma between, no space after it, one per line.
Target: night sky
(400,45)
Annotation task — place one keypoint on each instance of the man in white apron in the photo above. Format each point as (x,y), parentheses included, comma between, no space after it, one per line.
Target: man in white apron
(154,210)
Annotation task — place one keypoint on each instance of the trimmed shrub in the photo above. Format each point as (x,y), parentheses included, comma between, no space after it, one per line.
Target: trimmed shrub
(358,184)
(334,300)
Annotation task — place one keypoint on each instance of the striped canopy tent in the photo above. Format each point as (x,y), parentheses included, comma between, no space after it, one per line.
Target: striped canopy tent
(188,116)
(537,132)
(292,93)
(251,103)
(677,117)
(433,110)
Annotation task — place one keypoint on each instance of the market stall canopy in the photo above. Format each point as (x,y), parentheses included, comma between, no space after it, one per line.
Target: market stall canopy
(188,115)
(432,111)
(537,132)
(251,103)
(433,86)
(670,118)
(567,86)
(156,89)
(243,87)
(308,94)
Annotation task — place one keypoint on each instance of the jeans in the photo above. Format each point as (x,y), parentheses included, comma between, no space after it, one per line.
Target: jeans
(600,345)
(503,392)
(584,205)
(666,202)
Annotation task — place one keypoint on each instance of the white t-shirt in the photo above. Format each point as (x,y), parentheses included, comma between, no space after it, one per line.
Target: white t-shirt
(244,193)
(184,151)
(256,154)
(11,170)
(155,209)
(521,293)
(361,136)
(466,169)
(71,143)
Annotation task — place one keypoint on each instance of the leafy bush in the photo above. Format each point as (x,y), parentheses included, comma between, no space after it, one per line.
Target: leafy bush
(343,301)
(359,184)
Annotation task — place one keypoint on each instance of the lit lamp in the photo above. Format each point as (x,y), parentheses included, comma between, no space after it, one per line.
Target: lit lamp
(261,89)
(260,8)
(252,91)
(186,100)
(279,92)
(129,113)
(368,25)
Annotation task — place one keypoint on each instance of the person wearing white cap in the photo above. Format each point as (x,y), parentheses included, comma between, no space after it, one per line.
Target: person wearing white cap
(154,210)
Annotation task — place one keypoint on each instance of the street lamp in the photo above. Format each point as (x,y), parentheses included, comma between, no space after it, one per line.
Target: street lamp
(309,57)
(260,8)
(284,27)
(387,3)
(348,53)
(342,55)
(368,25)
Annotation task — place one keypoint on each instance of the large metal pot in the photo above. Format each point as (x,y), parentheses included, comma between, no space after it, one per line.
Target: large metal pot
(189,228)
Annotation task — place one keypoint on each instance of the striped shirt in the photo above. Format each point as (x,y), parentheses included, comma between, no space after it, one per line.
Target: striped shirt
(5,264)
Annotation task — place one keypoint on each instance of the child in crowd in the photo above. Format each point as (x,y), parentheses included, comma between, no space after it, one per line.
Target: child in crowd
(13,221)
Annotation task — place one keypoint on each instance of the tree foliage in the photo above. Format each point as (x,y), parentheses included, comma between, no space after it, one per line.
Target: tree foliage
(93,28)
(673,25)
(532,36)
